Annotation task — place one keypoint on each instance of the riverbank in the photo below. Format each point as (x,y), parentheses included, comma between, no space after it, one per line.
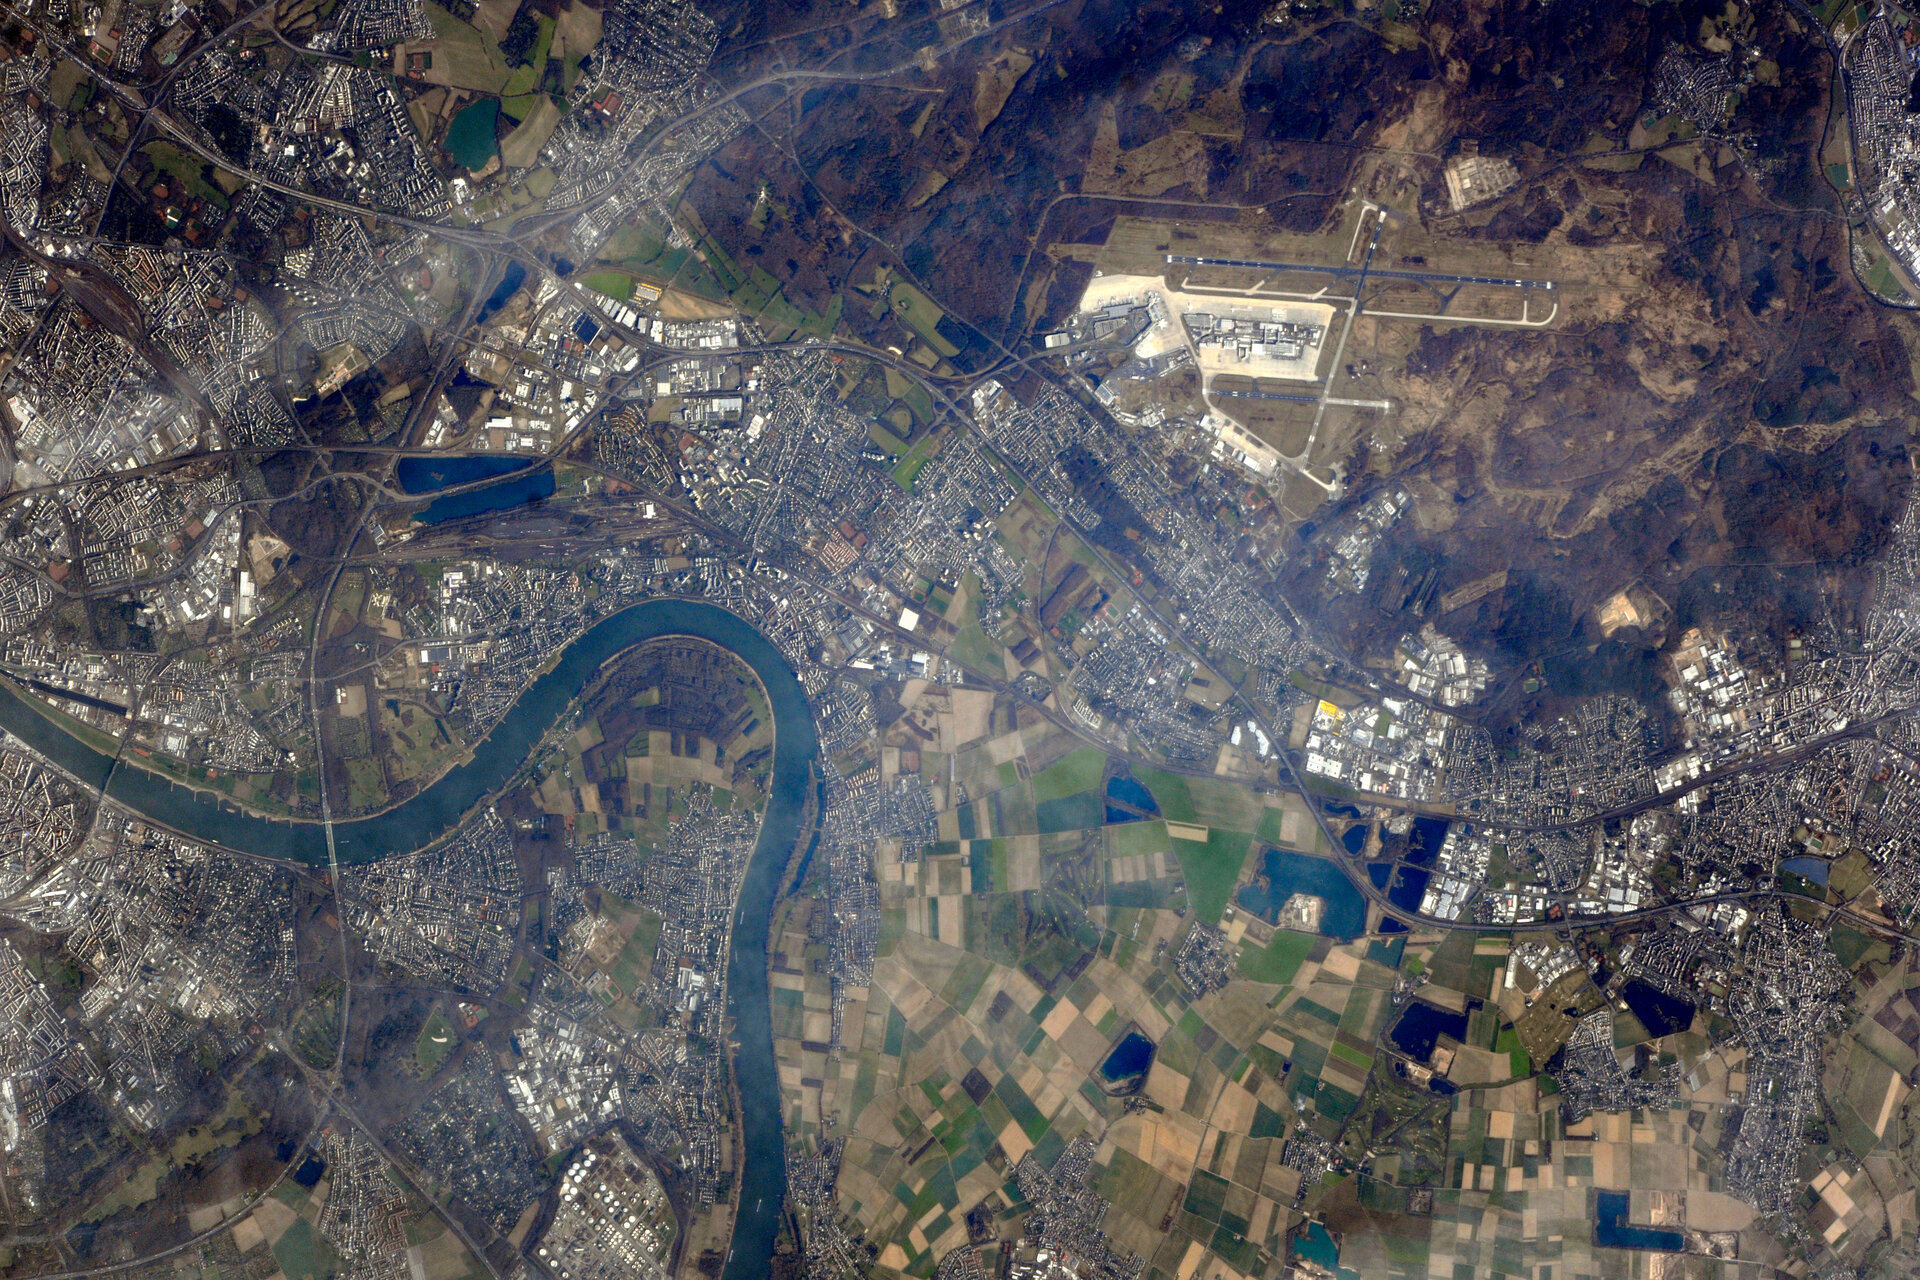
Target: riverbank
(760,1186)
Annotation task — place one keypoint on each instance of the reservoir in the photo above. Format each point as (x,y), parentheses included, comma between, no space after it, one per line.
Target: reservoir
(431,475)
(1428,835)
(1610,1229)
(1316,1245)
(528,486)
(470,136)
(1810,868)
(510,281)
(1128,800)
(496,761)
(1409,889)
(1658,1012)
(1421,1027)
(1289,873)
(1128,1063)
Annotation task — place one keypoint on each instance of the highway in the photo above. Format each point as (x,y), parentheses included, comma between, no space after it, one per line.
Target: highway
(1428,277)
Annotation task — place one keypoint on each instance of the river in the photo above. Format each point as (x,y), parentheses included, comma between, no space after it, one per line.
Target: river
(762,1184)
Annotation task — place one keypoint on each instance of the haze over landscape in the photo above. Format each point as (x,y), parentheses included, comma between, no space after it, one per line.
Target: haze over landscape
(1035,639)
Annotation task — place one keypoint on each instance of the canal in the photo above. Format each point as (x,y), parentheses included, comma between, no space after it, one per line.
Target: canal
(495,761)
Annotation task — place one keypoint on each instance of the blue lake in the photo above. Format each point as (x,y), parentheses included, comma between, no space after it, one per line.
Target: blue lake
(1658,1012)
(1610,1229)
(1316,1245)
(1354,839)
(1129,1058)
(1421,1026)
(510,281)
(431,475)
(530,486)
(1128,800)
(470,136)
(1814,869)
(1428,835)
(1409,889)
(1289,873)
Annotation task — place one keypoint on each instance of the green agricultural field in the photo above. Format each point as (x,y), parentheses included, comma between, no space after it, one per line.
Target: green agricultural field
(1170,792)
(304,1254)
(538,117)
(1279,960)
(913,460)
(470,56)
(919,313)
(885,440)
(1078,772)
(635,963)
(1218,803)
(971,648)
(1211,869)
(1128,838)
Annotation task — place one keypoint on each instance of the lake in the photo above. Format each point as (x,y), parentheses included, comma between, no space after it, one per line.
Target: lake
(1316,1245)
(1421,1027)
(1128,800)
(1610,1229)
(510,281)
(496,760)
(1810,868)
(1128,1061)
(1409,889)
(1428,835)
(470,136)
(1658,1012)
(525,488)
(432,474)
(1289,873)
